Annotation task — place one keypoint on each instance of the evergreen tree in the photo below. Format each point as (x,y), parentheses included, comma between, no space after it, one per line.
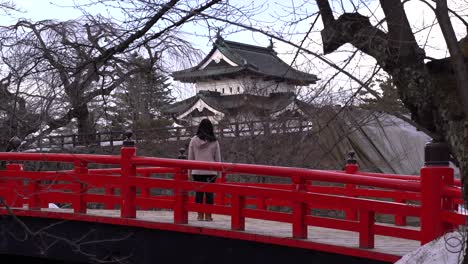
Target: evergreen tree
(139,99)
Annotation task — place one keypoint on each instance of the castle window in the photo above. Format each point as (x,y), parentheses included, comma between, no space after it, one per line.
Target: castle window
(216,89)
(230,90)
(223,90)
(238,89)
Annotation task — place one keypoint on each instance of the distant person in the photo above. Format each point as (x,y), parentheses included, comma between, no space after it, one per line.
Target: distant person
(204,147)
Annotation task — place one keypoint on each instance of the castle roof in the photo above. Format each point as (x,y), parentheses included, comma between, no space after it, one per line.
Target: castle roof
(229,59)
(232,103)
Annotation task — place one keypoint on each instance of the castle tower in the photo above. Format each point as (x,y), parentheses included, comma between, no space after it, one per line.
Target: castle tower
(237,80)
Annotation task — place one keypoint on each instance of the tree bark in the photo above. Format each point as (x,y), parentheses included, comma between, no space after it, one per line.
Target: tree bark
(85,125)
(461,76)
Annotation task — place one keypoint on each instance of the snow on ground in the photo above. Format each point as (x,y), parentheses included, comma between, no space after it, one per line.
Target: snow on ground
(444,250)
(114,143)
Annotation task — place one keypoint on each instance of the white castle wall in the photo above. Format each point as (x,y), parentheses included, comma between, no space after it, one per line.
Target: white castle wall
(239,85)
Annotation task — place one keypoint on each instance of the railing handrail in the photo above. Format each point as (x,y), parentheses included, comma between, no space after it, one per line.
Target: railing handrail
(308,174)
(277,171)
(60,157)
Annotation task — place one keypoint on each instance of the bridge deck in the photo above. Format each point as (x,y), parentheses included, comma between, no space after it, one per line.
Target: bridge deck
(348,239)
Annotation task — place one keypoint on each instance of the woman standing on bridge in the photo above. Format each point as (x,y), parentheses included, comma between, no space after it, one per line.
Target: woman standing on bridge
(204,147)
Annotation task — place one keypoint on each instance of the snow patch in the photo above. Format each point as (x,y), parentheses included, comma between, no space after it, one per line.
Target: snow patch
(114,143)
(52,205)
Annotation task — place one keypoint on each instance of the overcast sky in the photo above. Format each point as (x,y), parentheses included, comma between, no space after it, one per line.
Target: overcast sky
(419,14)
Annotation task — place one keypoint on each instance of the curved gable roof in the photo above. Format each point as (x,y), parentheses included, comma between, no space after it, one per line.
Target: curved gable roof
(254,59)
(232,103)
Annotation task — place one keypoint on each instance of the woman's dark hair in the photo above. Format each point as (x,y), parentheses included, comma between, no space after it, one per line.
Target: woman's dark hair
(205,131)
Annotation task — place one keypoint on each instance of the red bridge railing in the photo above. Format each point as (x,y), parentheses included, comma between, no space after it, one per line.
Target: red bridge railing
(433,197)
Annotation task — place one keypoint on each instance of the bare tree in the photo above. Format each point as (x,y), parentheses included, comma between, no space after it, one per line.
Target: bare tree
(433,90)
(427,89)
(83,60)
(6,6)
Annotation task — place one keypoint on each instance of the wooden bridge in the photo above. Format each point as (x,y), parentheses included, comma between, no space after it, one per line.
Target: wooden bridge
(286,216)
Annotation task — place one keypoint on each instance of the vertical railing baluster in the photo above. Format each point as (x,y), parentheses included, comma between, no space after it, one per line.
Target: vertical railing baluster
(110,191)
(366,228)
(16,183)
(181,199)
(34,189)
(220,196)
(15,187)
(261,203)
(98,139)
(400,220)
(177,134)
(111,140)
(299,210)
(266,128)
(145,191)
(237,214)
(39,143)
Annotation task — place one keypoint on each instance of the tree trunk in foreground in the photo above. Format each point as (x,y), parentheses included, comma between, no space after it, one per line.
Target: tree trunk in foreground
(430,90)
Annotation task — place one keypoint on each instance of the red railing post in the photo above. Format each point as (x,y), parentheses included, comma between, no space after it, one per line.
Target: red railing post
(128,190)
(145,192)
(180,195)
(261,203)
(237,216)
(432,182)
(110,191)
(79,203)
(299,210)
(400,220)
(34,202)
(366,228)
(220,196)
(431,205)
(351,167)
(16,183)
(181,199)
(15,187)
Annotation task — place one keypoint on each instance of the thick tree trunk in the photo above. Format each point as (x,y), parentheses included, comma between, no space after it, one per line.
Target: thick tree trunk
(86,129)
(428,91)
